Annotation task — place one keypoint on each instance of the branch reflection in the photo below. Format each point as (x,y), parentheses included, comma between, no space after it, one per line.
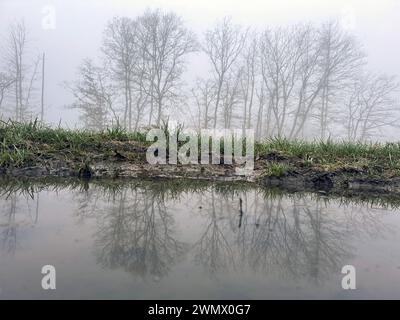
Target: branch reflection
(236,230)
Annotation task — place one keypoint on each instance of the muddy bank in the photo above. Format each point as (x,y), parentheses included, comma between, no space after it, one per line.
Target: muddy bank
(29,150)
(333,182)
(297,179)
(128,169)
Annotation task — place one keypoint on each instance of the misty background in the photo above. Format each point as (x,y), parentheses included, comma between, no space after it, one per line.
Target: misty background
(79,28)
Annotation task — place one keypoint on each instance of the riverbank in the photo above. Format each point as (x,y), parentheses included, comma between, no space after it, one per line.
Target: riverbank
(34,150)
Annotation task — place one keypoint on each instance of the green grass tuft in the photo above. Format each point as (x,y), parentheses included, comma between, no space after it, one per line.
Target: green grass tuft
(277,169)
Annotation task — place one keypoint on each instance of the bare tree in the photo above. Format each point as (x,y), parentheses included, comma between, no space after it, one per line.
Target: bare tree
(204,95)
(248,81)
(223,45)
(280,61)
(261,125)
(231,97)
(94,96)
(22,73)
(305,70)
(164,42)
(371,106)
(284,81)
(309,78)
(341,60)
(120,49)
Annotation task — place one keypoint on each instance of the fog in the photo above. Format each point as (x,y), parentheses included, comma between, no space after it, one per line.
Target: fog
(79,26)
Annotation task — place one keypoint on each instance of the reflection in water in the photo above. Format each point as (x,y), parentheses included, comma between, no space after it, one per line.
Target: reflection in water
(235,229)
(291,236)
(136,232)
(9,232)
(213,249)
(12,203)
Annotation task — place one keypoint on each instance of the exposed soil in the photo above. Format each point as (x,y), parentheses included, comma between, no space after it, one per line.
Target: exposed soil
(127,161)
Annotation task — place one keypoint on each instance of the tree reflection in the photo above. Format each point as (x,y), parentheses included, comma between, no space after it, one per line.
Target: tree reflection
(293,236)
(9,227)
(137,233)
(16,213)
(213,249)
(289,235)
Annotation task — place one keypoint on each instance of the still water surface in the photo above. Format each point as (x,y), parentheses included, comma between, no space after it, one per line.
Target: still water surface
(151,240)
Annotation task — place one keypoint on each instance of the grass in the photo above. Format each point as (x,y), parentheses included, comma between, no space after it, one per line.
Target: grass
(33,143)
(371,158)
(277,169)
(25,143)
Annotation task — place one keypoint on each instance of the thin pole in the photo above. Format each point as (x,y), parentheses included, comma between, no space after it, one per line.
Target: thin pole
(42,101)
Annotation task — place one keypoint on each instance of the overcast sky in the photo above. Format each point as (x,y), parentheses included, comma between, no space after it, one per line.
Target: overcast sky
(79,25)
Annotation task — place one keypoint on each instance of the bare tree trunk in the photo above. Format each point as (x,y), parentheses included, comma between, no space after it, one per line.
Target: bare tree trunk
(126,102)
(217,102)
(130,107)
(159,108)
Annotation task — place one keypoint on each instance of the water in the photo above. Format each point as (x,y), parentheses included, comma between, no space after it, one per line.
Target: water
(159,240)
